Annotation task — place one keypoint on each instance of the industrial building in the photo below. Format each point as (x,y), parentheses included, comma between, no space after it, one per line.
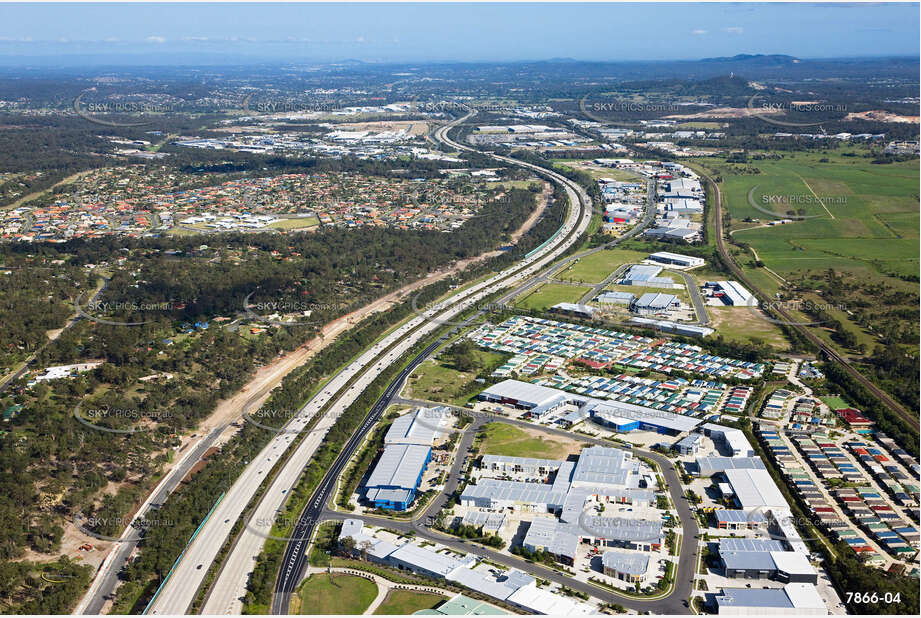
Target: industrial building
(611,474)
(393,482)
(689,445)
(682,188)
(673,327)
(655,302)
(512,586)
(732,293)
(615,298)
(733,439)
(765,559)
(708,466)
(574,309)
(755,489)
(525,396)
(794,599)
(419,427)
(628,567)
(730,519)
(621,416)
(546,535)
(561,540)
(667,257)
(646,275)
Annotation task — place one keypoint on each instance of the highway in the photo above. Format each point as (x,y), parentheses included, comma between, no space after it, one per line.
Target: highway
(295,559)
(910,417)
(178,592)
(106,577)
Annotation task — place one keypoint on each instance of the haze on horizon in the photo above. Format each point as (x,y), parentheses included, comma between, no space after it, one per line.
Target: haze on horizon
(377,32)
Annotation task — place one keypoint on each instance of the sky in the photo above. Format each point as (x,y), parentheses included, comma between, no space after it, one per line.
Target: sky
(441,32)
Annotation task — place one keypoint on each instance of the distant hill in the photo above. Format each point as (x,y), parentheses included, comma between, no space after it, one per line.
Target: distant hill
(755,59)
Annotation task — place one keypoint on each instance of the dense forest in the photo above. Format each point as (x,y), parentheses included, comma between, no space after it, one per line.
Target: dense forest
(54,469)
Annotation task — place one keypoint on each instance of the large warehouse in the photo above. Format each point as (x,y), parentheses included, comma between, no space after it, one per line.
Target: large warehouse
(619,414)
(394,480)
(655,302)
(667,257)
(525,396)
(793,599)
(419,427)
(646,275)
(755,489)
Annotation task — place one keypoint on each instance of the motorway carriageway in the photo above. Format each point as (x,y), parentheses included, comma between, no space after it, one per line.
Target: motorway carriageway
(178,592)
(295,559)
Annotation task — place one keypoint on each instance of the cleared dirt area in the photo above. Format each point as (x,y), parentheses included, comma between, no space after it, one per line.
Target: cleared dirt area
(880,115)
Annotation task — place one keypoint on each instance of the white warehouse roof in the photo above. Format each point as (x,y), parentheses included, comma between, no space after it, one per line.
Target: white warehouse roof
(523,392)
(755,489)
(399,466)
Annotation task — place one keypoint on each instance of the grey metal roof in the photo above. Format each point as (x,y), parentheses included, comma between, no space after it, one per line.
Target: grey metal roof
(610,409)
(741,544)
(625,562)
(711,465)
(748,560)
(738,516)
(621,529)
(541,532)
(417,427)
(351,528)
(655,300)
(528,462)
(485,583)
(602,465)
(754,597)
(399,466)
(524,392)
(424,558)
(515,491)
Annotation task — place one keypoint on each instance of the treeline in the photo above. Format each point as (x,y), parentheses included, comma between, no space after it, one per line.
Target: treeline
(886,420)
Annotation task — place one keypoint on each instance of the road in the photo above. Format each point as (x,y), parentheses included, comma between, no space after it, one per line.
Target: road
(909,417)
(106,579)
(295,560)
(673,603)
(70,322)
(178,592)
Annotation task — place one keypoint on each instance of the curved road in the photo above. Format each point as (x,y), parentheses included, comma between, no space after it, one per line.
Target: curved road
(295,559)
(180,589)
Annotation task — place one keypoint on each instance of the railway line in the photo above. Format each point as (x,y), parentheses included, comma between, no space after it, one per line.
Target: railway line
(830,352)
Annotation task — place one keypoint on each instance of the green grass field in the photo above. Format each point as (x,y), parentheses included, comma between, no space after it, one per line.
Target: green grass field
(834,402)
(551,294)
(864,217)
(405,602)
(437,380)
(294,224)
(336,594)
(595,267)
(859,240)
(502,439)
